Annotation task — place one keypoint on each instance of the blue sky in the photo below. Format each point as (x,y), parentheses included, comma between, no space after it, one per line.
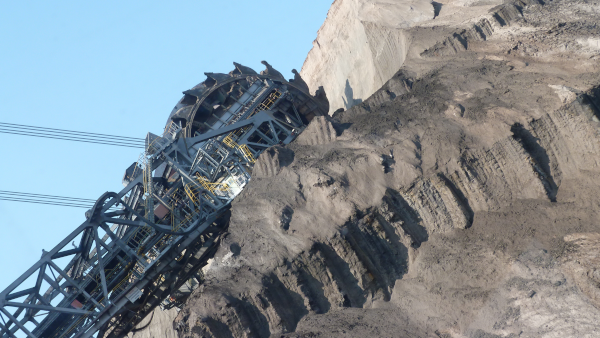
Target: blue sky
(114,67)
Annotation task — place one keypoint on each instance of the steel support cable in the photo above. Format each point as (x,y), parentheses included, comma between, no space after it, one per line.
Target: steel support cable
(63,131)
(13,196)
(27,129)
(44,202)
(59,204)
(25,194)
(70,137)
(98,141)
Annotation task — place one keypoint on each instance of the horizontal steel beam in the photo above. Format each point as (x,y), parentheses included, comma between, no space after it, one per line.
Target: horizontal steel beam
(259,118)
(20,294)
(49,308)
(66,253)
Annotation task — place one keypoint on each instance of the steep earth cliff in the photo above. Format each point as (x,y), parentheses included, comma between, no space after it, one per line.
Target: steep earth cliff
(460,199)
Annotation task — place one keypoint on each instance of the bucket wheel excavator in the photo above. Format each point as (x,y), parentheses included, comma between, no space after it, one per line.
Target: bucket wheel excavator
(144,246)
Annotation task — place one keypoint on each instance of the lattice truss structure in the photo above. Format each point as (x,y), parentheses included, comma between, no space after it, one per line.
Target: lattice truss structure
(117,266)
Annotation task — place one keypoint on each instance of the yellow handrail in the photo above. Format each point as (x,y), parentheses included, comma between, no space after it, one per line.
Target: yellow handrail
(211,186)
(268,102)
(247,153)
(228,141)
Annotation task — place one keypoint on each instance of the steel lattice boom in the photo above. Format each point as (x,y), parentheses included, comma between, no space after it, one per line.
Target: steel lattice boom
(118,265)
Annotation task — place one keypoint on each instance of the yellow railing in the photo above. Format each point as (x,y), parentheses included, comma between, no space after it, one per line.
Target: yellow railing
(268,102)
(247,153)
(213,187)
(191,192)
(228,141)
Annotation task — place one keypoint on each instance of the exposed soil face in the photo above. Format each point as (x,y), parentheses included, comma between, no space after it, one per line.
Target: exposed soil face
(459,200)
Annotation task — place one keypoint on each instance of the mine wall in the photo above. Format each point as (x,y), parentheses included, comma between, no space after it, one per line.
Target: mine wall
(371,207)
(376,245)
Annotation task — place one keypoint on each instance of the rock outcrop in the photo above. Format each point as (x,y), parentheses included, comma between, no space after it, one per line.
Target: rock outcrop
(319,131)
(360,46)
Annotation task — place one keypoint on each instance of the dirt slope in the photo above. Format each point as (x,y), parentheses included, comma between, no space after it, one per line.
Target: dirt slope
(458,200)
